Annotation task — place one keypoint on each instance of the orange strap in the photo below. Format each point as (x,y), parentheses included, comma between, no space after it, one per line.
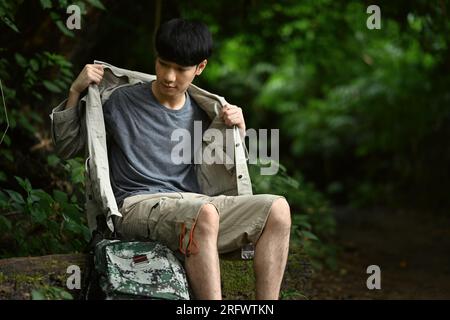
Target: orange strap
(192,247)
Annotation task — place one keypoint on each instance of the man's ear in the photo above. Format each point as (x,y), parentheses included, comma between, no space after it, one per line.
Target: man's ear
(200,67)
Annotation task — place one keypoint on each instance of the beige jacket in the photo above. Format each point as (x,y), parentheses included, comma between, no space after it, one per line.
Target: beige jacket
(81,131)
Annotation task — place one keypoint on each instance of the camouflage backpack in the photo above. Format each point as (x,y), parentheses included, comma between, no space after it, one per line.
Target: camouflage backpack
(139,270)
(118,269)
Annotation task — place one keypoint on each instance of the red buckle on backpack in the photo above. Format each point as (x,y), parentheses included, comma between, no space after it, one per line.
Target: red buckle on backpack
(140,258)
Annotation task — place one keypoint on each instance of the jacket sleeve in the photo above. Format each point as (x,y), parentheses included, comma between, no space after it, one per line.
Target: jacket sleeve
(68,130)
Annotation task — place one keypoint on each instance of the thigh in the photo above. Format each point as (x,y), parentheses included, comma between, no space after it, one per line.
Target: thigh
(167,218)
(242,219)
(136,211)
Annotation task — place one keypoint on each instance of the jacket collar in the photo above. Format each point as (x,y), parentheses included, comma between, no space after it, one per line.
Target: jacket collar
(209,102)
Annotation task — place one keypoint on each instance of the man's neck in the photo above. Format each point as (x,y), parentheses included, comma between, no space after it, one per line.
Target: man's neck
(174,103)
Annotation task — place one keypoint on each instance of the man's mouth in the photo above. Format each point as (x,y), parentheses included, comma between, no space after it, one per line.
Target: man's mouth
(168,87)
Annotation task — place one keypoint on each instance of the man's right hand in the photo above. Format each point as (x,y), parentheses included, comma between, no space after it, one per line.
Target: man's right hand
(91,73)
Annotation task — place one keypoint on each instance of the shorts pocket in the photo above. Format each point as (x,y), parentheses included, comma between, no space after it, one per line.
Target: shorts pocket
(135,223)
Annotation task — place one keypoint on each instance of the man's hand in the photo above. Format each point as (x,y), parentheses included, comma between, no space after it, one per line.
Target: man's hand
(233,116)
(91,73)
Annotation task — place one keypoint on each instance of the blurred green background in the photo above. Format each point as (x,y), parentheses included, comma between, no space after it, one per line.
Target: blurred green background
(364,115)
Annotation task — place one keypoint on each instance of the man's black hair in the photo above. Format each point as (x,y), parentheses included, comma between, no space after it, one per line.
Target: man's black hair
(183,42)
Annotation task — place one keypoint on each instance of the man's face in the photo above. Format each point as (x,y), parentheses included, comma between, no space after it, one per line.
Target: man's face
(172,79)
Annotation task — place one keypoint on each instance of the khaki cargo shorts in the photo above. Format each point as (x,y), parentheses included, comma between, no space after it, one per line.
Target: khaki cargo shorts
(170,218)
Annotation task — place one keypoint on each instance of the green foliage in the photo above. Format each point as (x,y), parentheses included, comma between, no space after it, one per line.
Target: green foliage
(292,294)
(362,113)
(237,278)
(50,293)
(35,221)
(38,223)
(32,73)
(7,12)
(76,169)
(32,76)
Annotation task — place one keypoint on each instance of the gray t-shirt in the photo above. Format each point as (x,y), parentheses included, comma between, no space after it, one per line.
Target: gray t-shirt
(139,132)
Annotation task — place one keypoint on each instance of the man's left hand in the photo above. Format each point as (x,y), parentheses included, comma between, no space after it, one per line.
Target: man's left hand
(232,116)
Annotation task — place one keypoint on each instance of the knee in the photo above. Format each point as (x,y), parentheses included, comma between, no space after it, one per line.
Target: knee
(280,214)
(208,221)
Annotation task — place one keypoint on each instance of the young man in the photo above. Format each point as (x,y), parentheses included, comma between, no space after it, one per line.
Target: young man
(164,201)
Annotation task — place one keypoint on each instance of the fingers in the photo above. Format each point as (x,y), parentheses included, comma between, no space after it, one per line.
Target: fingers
(96,79)
(230,122)
(94,73)
(91,73)
(231,110)
(97,66)
(234,118)
(93,69)
(229,107)
(232,115)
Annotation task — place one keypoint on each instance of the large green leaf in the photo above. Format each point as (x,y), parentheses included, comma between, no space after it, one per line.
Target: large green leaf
(51,86)
(97,3)
(15,196)
(46,4)
(24,183)
(5,224)
(9,23)
(60,196)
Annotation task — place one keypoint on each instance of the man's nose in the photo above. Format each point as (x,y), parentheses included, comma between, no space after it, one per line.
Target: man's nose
(170,75)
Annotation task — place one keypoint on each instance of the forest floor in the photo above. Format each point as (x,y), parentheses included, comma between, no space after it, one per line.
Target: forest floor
(411,249)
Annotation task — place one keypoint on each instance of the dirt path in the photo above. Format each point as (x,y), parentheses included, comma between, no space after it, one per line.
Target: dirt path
(412,251)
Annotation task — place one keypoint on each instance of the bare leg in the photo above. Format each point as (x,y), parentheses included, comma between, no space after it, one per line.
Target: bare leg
(271,251)
(202,268)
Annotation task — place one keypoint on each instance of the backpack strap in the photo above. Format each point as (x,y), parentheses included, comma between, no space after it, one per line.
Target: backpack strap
(90,288)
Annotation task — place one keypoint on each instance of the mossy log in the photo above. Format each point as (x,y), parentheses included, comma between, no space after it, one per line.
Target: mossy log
(20,276)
